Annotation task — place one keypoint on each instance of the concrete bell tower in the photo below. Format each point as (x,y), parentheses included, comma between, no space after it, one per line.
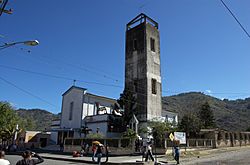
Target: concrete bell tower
(142,68)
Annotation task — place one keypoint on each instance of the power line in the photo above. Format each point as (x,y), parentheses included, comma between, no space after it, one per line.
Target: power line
(71,79)
(83,68)
(236,19)
(27,92)
(58,77)
(109,85)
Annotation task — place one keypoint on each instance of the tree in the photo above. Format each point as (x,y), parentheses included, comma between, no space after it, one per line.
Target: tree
(127,100)
(95,136)
(8,121)
(131,134)
(159,130)
(190,124)
(206,116)
(26,124)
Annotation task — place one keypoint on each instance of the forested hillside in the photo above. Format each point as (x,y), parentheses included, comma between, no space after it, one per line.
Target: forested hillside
(229,114)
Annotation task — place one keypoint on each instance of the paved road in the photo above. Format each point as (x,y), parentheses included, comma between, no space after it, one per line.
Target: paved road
(241,157)
(14,158)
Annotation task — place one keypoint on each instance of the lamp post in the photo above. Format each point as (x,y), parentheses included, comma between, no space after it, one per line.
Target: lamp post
(15,135)
(28,43)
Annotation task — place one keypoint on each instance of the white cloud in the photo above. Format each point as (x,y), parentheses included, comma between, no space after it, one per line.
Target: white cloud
(208,91)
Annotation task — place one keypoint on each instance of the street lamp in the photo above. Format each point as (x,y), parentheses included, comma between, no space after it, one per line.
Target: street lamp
(28,43)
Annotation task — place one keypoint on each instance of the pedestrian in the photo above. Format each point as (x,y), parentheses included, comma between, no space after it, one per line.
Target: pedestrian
(149,152)
(2,160)
(137,145)
(27,158)
(87,148)
(93,152)
(99,153)
(82,149)
(177,152)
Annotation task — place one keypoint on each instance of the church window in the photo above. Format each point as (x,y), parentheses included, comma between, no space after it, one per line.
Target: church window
(153,86)
(71,110)
(152,44)
(135,44)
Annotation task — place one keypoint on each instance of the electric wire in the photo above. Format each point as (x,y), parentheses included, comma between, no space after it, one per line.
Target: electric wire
(109,85)
(235,18)
(27,92)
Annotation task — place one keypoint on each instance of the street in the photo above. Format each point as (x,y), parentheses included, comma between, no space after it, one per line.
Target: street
(14,158)
(227,158)
(216,157)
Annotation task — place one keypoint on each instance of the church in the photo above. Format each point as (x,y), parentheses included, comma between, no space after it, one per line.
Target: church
(99,114)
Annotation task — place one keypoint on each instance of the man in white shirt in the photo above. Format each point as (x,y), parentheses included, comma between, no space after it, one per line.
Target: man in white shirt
(2,160)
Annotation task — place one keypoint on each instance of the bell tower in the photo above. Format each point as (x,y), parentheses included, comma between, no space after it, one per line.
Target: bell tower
(142,67)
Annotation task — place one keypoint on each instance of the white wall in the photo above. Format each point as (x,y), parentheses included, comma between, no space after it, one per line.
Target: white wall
(102,127)
(89,105)
(84,105)
(54,136)
(76,96)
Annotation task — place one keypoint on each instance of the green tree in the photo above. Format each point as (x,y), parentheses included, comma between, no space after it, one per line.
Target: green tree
(95,136)
(190,124)
(206,116)
(127,100)
(130,134)
(8,121)
(26,124)
(159,130)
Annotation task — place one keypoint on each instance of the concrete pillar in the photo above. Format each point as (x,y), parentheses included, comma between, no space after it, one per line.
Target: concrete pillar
(196,143)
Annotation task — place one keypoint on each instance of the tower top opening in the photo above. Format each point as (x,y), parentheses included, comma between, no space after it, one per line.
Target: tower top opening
(141,18)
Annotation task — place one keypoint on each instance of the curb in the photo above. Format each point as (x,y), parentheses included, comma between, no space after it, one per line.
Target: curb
(91,162)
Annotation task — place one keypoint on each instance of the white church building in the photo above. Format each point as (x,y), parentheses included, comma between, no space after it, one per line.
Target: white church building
(81,109)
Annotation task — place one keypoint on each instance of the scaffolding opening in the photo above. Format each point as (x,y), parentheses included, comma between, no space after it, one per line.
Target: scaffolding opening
(141,18)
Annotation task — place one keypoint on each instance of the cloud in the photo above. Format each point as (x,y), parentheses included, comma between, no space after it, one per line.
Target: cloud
(208,91)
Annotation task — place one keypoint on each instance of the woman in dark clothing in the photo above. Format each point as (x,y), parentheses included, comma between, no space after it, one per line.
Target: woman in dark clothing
(99,153)
(27,159)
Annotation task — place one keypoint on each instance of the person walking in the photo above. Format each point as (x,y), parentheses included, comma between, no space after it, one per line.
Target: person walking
(177,153)
(2,160)
(27,158)
(99,153)
(93,152)
(149,152)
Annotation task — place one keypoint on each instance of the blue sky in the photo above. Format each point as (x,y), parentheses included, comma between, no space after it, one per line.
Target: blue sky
(202,48)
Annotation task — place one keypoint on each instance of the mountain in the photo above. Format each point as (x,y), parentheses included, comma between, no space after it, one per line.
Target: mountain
(41,119)
(229,114)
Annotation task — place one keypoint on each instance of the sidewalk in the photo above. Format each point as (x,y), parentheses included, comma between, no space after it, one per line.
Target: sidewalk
(123,160)
(129,160)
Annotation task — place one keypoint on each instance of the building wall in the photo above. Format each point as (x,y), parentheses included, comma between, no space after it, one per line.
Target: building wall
(153,72)
(143,65)
(136,69)
(74,96)
(170,117)
(29,135)
(84,104)
(54,134)
(90,105)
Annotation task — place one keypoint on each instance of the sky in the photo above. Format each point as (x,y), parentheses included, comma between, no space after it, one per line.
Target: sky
(203,49)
